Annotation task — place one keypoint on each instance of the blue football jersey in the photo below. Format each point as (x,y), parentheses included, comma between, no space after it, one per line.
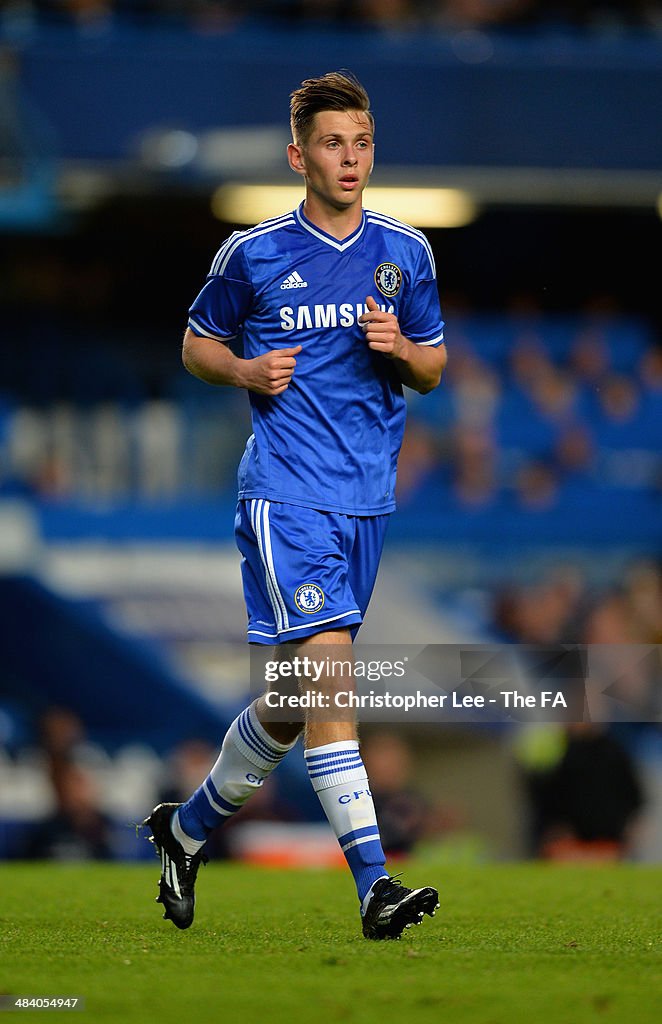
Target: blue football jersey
(331,440)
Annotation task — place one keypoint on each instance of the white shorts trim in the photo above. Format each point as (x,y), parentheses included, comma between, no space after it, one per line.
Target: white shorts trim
(305,625)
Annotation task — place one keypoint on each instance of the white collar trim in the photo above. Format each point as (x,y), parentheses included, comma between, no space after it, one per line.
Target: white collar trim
(323,237)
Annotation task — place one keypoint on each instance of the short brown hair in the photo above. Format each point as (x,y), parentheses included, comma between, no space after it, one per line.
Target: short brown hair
(337,90)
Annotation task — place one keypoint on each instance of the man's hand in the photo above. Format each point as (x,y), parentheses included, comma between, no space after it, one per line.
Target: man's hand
(417,366)
(213,362)
(271,373)
(382,331)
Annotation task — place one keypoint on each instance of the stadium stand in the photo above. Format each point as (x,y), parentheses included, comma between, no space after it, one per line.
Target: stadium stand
(541,421)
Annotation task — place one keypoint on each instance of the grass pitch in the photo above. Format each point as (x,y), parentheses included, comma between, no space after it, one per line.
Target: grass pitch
(511,943)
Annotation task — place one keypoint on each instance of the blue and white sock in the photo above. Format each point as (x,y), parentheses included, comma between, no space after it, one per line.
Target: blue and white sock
(340,780)
(247,757)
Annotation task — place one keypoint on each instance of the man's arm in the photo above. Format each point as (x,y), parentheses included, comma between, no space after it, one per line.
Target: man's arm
(419,366)
(213,362)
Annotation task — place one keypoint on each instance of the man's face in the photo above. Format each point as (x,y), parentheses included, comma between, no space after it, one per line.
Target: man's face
(336,161)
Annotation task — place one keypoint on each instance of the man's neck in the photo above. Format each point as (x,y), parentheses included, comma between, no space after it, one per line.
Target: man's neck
(337,223)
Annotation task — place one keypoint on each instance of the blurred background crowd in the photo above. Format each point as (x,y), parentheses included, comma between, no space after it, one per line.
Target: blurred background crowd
(530,484)
(117,423)
(210,15)
(575,792)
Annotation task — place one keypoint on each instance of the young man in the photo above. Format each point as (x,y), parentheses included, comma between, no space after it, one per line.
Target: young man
(337,308)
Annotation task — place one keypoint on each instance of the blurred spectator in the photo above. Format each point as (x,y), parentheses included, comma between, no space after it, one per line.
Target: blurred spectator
(159,430)
(574,453)
(77,829)
(631,614)
(88,16)
(186,768)
(474,477)
(643,589)
(547,612)
(619,400)
(419,457)
(405,816)
(650,370)
(537,486)
(385,13)
(456,14)
(476,391)
(585,806)
(61,734)
(589,357)
(529,361)
(555,397)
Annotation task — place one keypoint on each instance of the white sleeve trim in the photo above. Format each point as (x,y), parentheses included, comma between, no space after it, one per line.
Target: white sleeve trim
(207,334)
(434,341)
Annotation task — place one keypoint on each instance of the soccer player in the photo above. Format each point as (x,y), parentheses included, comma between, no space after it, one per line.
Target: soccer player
(337,307)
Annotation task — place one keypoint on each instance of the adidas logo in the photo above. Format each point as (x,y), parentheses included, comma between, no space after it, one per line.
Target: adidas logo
(295,280)
(169,868)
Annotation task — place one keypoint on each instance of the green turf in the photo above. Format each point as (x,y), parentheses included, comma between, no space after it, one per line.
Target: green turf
(511,943)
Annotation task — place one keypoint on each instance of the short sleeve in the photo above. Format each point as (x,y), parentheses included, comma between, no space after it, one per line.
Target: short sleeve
(422,322)
(224,302)
(420,317)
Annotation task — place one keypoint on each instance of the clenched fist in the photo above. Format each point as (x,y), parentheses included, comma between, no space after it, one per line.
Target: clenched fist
(271,373)
(382,331)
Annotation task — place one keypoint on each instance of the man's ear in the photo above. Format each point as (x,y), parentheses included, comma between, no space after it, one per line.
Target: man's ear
(295,158)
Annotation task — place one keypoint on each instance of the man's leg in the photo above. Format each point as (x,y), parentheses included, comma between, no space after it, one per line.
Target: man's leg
(337,772)
(248,756)
(339,778)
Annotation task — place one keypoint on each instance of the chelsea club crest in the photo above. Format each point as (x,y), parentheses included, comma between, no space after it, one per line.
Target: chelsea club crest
(309,598)
(388,279)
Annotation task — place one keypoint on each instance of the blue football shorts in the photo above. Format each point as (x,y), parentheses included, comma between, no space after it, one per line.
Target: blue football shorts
(305,571)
